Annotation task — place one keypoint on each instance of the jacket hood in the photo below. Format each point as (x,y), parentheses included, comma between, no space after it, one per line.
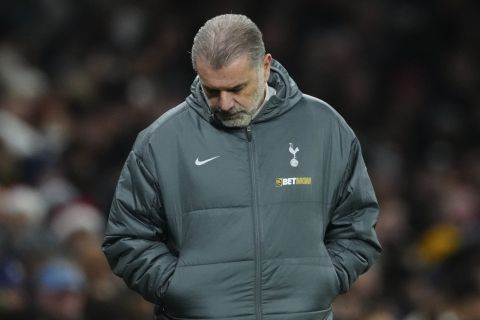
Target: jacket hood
(286,96)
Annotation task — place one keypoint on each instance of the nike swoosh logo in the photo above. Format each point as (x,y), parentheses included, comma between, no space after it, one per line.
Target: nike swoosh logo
(199,163)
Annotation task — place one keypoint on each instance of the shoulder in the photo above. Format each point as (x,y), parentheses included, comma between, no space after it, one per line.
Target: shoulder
(326,115)
(164,126)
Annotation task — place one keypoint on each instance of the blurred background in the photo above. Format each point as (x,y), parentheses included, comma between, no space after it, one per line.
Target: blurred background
(79,80)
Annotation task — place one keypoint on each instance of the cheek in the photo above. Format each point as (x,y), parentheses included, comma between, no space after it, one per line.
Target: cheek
(212,102)
(248,97)
(242,100)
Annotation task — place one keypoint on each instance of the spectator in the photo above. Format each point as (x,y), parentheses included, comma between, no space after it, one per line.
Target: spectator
(60,291)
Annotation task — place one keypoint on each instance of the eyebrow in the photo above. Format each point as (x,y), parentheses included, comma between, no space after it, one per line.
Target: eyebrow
(237,87)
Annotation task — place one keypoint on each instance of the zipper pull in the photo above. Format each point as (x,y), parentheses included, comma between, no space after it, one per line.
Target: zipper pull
(249,133)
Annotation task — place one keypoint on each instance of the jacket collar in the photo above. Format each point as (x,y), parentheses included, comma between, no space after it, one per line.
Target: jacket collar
(287,95)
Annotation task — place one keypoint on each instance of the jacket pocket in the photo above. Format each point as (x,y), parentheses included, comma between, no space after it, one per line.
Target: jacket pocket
(217,290)
(297,285)
(328,260)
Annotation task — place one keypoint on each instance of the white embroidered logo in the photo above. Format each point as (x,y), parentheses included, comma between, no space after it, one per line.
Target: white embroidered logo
(294,161)
(199,163)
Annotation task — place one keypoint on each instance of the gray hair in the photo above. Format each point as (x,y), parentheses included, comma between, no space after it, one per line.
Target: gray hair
(226,37)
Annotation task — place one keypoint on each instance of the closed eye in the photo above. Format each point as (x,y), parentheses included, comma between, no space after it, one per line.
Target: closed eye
(211,92)
(237,89)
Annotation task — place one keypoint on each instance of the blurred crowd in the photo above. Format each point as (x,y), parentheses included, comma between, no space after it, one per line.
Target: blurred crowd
(79,80)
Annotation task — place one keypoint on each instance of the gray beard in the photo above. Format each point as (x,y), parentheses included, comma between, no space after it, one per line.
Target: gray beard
(242,118)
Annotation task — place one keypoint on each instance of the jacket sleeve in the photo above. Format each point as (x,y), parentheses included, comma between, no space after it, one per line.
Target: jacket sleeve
(350,238)
(135,236)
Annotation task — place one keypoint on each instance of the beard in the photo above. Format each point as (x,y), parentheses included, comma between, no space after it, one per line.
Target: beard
(241,116)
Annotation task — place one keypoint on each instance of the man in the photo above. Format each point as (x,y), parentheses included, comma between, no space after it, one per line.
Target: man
(250,200)
(60,291)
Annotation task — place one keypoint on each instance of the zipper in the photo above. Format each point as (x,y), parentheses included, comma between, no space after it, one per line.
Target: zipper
(256,226)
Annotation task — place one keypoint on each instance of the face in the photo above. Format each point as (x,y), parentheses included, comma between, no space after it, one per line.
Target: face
(235,92)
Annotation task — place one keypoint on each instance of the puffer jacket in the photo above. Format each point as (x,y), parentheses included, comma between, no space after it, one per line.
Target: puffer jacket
(269,222)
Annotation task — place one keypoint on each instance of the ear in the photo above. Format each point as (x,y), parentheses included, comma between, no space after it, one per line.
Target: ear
(267,62)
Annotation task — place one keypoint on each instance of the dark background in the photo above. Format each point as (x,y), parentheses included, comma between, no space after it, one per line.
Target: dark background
(79,80)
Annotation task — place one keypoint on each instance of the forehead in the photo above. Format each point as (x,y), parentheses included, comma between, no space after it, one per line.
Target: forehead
(239,71)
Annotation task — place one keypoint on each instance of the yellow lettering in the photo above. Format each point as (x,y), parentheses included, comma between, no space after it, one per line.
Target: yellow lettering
(304,180)
(278,182)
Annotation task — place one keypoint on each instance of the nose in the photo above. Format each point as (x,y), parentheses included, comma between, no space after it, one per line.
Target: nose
(225,101)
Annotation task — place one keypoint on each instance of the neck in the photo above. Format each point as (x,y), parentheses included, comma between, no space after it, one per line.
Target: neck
(264,100)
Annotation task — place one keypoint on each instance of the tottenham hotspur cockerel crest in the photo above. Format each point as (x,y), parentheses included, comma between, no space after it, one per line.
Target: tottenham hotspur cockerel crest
(293,162)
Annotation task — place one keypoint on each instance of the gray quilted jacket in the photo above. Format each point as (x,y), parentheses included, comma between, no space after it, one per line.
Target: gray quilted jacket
(269,222)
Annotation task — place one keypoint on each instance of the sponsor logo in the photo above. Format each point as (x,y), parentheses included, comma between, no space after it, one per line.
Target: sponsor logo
(295,181)
(200,163)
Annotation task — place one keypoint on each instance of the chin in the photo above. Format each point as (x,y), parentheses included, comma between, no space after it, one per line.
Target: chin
(240,122)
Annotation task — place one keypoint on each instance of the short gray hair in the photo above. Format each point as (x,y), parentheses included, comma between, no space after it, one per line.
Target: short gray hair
(226,37)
